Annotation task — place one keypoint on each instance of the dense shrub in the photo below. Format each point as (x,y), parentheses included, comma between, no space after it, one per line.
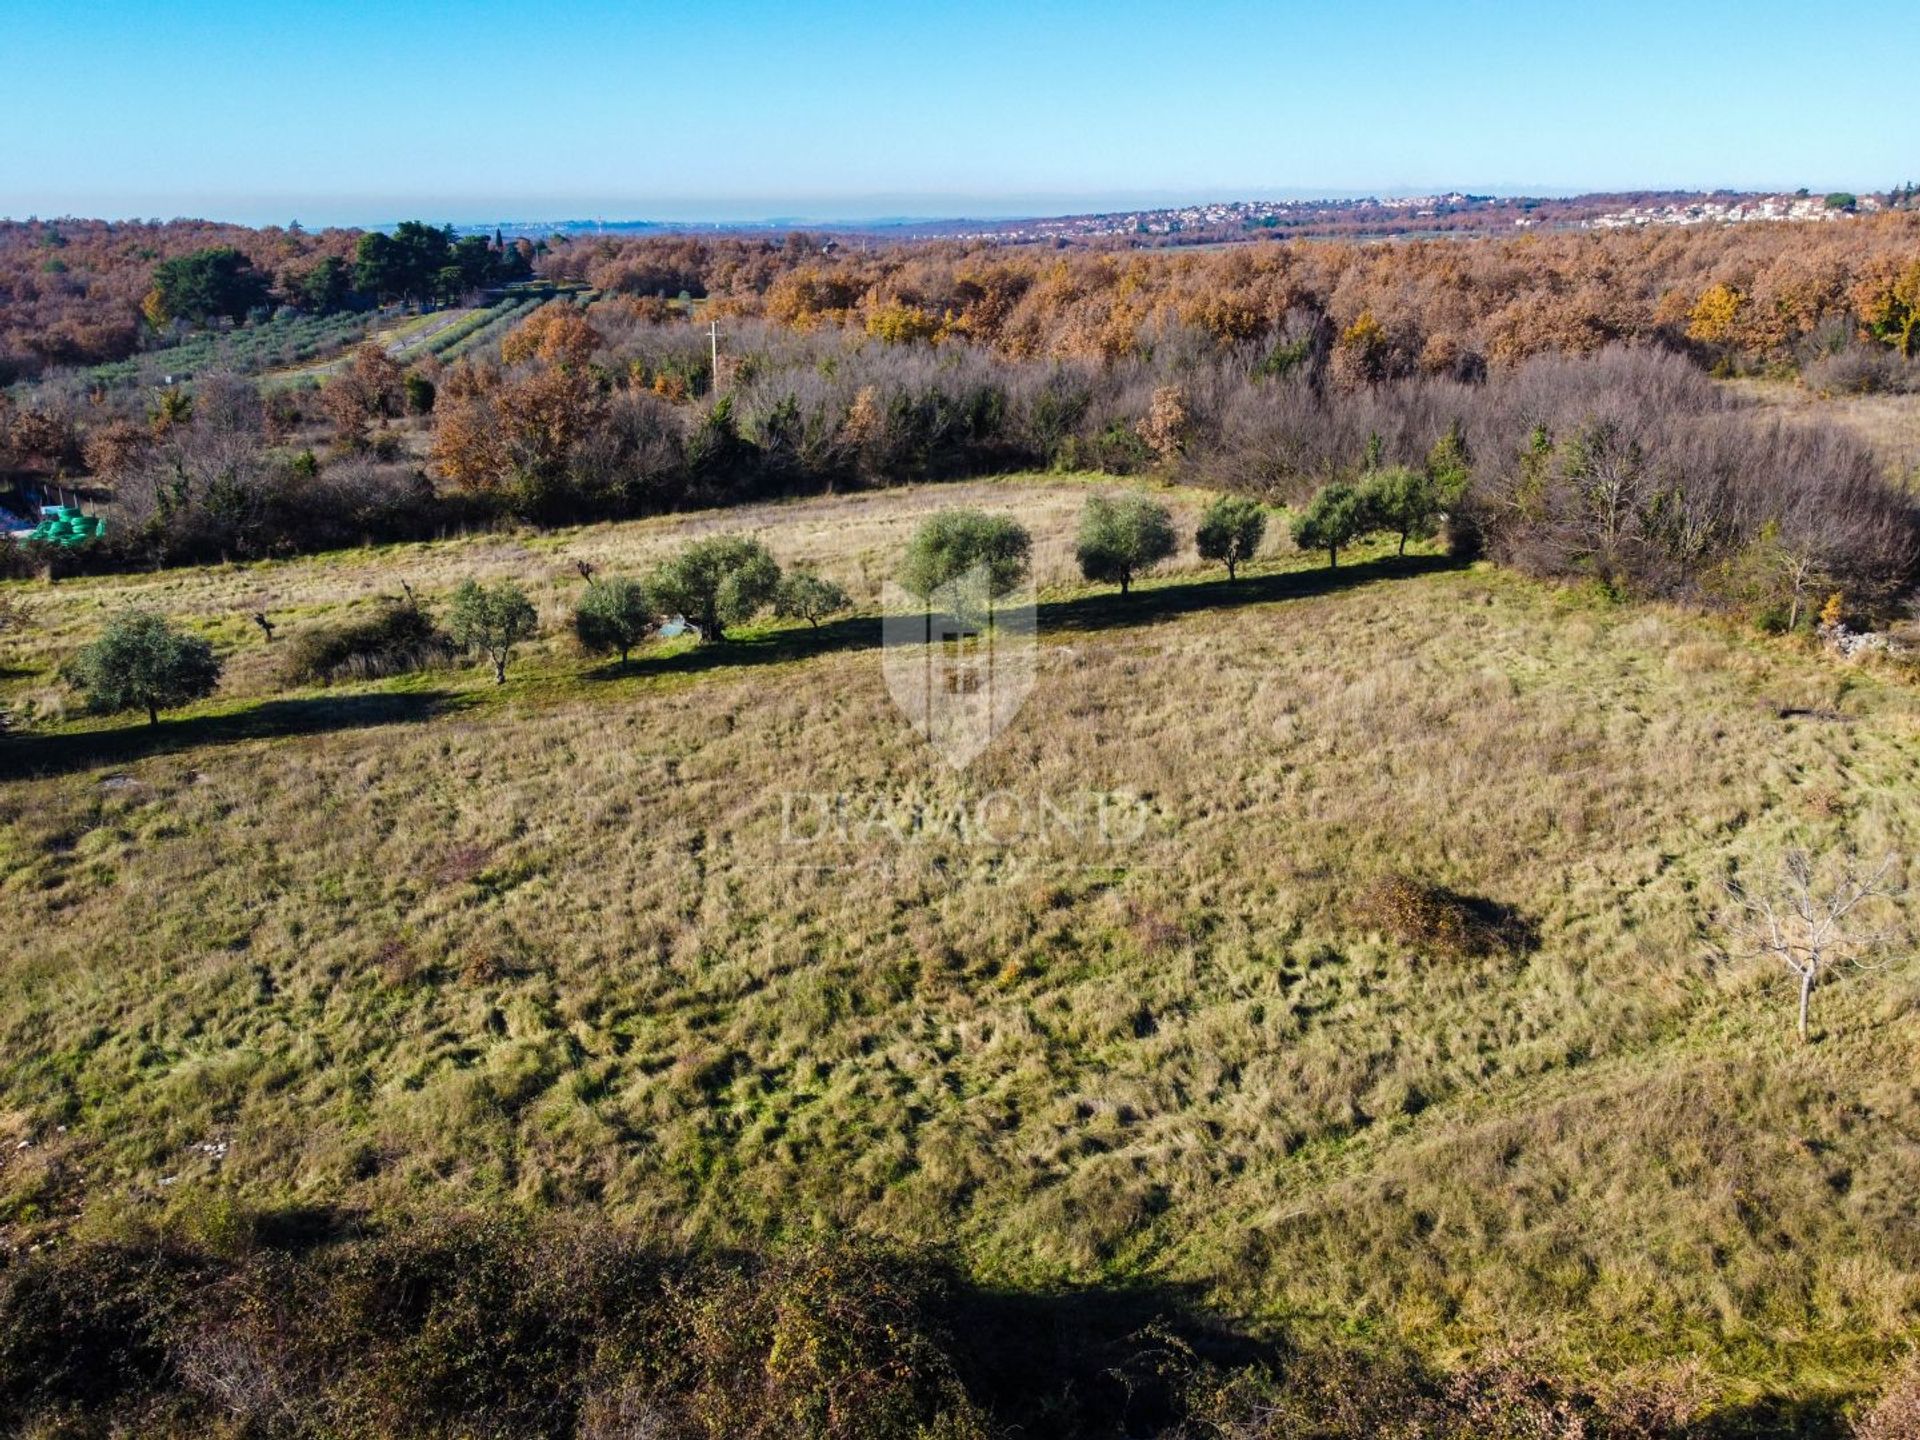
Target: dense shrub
(478,1325)
(1862,370)
(86,1327)
(1327,1393)
(402,637)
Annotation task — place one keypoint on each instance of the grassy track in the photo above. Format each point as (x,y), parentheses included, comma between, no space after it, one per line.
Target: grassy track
(555,944)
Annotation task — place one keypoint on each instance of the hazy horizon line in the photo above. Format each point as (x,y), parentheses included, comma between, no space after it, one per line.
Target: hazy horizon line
(880,209)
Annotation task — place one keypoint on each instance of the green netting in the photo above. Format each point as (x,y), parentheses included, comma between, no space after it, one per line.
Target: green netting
(65,525)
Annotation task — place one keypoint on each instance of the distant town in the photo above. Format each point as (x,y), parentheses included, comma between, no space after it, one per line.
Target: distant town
(1364,217)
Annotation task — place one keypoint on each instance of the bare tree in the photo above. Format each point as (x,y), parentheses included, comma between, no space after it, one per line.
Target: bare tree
(1811,923)
(1802,569)
(15,615)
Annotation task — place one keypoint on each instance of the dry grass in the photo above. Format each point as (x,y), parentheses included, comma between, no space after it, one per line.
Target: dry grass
(552,947)
(1888,424)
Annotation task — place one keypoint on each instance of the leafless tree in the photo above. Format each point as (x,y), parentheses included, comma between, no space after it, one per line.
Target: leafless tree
(1812,922)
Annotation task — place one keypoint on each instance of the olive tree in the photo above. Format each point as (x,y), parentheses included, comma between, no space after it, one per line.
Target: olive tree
(1402,501)
(1335,517)
(806,596)
(492,619)
(714,583)
(1122,535)
(613,616)
(954,542)
(143,663)
(1231,531)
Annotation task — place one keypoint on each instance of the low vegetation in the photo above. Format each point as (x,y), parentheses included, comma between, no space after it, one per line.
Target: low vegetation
(401,637)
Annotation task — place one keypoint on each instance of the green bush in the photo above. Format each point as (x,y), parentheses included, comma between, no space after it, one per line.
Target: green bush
(1335,518)
(806,596)
(1402,501)
(399,640)
(952,543)
(419,392)
(492,619)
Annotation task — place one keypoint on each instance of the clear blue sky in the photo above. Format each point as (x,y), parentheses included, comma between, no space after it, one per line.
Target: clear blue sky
(331,112)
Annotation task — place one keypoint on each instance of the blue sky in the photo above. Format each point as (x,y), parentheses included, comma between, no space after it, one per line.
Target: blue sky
(350,113)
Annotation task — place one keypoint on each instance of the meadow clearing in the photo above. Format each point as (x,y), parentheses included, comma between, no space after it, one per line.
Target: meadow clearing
(560,943)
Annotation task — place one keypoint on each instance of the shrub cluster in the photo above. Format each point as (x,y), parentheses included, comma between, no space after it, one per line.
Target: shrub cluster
(306,1326)
(401,638)
(480,1325)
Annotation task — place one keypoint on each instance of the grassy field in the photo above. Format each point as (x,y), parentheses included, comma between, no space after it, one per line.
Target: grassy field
(561,943)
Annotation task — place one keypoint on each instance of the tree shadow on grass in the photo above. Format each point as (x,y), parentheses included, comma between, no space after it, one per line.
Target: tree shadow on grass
(29,755)
(1109,609)
(1103,610)
(855,632)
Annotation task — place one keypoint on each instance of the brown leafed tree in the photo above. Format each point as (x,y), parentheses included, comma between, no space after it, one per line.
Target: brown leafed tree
(1167,422)
(371,387)
(556,334)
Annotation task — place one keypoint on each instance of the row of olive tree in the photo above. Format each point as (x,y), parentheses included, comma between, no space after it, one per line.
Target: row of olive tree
(1405,501)
(711,586)
(1121,537)
(142,662)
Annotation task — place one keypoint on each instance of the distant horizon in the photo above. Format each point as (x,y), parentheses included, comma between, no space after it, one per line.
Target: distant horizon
(887,211)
